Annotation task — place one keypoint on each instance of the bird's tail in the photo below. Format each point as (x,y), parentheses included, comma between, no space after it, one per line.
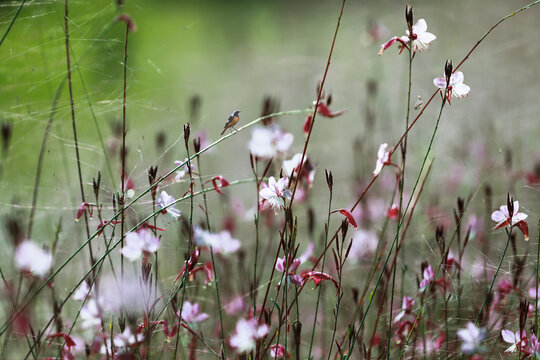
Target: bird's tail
(223,132)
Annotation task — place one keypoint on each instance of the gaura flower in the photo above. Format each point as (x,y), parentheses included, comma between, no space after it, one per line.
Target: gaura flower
(276,192)
(471,338)
(246,334)
(518,341)
(383,158)
(419,36)
(138,243)
(269,142)
(517,219)
(278,351)
(191,313)
(33,259)
(165,202)
(456,87)
(221,243)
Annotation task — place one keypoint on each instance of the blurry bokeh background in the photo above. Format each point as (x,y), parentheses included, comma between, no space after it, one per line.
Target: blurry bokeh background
(232,54)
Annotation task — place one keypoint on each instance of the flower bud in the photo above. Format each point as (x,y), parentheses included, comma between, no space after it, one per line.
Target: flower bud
(409,16)
(187,132)
(448,67)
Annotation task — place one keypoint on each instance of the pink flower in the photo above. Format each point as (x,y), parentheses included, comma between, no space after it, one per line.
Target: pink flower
(383,158)
(406,307)
(504,218)
(138,243)
(292,167)
(428,277)
(281,266)
(364,244)
(517,341)
(421,39)
(471,338)
(221,243)
(181,173)
(166,203)
(456,87)
(246,334)
(33,259)
(278,351)
(269,142)
(190,313)
(276,192)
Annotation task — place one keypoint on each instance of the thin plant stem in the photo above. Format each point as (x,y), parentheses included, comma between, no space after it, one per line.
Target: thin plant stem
(537,275)
(443,102)
(3,328)
(74,125)
(190,229)
(494,277)
(216,278)
(52,114)
(123,175)
(322,271)
(12,22)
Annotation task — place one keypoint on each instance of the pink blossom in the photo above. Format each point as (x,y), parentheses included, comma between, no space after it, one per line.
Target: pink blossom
(471,338)
(33,259)
(428,277)
(518,341)
(406,307)
(383,158)
(364,244)
(166,203)
(184,170)
(503,218)
(421,39)
(91,314)
(221,243)
(246,334)
(278,351)
(276,192)
(456,87)
(281,266)
(269,142)
(138,243)
(191,313)
(292,166)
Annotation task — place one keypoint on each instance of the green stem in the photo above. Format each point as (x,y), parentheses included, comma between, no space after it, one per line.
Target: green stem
(494,277)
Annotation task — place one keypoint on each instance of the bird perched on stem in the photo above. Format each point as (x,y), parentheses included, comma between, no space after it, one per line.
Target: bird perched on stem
(231,121)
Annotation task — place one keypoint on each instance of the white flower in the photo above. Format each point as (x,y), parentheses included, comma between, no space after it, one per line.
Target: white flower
(276,192)
(83,292)
(32,258)
(503,217)
(471,338)
(181,173)
(383,158)
(141,242)
(420,37)
(247,332)
(269,142)
(364,244)
(515,339)
(456,87)
(222,243)
(91,314)
(164,202)
(121,341)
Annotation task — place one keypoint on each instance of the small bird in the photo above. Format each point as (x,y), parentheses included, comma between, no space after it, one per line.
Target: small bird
(231,121)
